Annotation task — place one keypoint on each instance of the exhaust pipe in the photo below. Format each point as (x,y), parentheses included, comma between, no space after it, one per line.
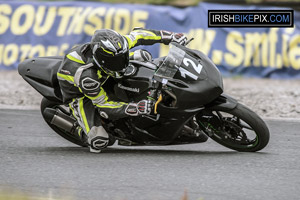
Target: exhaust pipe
(60,119)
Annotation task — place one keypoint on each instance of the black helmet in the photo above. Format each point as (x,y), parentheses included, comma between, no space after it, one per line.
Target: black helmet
(110,51)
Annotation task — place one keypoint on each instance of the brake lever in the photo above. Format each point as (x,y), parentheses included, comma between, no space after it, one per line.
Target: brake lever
(187,42)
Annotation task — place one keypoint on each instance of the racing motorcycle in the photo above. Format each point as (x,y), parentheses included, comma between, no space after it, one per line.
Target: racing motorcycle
(186,89)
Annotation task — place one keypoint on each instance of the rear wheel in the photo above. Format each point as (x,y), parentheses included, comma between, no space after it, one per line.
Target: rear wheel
(68,136)
(239,129)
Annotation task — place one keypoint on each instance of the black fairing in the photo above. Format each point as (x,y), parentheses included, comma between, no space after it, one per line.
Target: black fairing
(191,96)
(166,129)
(40,73)
(205,89)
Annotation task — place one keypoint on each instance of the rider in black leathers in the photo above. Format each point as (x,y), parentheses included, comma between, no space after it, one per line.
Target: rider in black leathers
(86,68)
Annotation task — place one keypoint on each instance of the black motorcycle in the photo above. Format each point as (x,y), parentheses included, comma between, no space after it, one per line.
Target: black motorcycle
(189,104)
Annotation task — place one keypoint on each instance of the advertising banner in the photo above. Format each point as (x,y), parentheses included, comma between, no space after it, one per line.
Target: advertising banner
(31,29)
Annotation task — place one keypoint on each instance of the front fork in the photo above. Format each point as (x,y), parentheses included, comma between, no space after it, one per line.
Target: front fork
(211,123)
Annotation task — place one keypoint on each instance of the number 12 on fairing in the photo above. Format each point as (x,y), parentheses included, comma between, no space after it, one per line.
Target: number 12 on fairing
(187,62)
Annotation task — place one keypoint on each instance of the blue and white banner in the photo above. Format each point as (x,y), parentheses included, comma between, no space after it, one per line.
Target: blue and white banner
(31,29)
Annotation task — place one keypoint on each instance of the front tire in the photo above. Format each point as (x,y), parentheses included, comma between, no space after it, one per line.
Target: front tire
(66,135)
(239,129)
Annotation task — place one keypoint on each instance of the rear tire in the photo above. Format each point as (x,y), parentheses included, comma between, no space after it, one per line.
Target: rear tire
(230,128)
(45,103)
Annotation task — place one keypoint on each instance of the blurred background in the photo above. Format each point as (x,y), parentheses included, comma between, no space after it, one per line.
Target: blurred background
(261,66)
(50,28)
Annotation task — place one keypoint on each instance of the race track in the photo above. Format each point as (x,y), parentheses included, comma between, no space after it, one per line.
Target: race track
(35,160)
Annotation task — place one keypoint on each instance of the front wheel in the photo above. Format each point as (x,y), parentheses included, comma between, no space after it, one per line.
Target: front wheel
(239,129)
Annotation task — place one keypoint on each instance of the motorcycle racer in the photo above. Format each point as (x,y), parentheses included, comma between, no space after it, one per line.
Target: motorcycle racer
(87,67)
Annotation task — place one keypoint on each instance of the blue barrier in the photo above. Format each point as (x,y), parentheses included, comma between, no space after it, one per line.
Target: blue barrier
(30,29)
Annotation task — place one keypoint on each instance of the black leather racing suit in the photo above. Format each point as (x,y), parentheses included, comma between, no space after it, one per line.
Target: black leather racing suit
(81,80)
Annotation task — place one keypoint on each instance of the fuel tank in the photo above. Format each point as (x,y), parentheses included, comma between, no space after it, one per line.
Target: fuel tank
(136,86)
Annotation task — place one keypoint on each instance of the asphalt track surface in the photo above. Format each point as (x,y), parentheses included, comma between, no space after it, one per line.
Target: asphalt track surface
(37,161)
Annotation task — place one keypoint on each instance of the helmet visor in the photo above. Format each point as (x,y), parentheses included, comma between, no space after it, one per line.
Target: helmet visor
(116,63)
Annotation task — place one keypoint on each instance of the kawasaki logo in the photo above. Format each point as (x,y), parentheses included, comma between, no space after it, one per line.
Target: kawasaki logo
(137,90)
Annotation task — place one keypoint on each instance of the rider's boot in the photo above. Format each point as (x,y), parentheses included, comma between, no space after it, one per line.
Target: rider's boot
(97,139)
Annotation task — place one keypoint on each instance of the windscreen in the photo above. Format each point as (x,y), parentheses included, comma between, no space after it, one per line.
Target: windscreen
(171,64)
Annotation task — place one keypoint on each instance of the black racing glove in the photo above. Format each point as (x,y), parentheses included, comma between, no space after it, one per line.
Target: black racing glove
(141,108)
(180,38)
(168,37)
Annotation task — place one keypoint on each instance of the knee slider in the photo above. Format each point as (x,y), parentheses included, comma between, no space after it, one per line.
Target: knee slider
(98,138)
